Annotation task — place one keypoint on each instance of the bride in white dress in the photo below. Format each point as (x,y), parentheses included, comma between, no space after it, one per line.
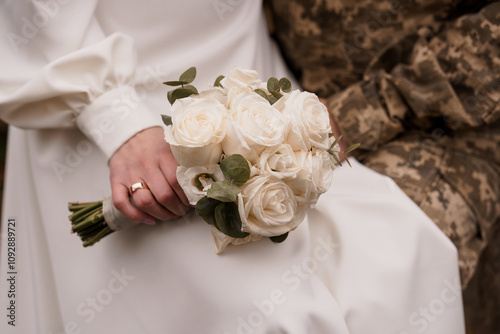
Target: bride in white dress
(80,78)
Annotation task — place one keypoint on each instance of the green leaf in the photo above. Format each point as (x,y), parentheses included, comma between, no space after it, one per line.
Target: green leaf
(273,84)
(175,83)
(170,98)
(285,85)
(277,95)
(261,93)
(236,169)
(352,148)
(189,75)
(228,220)
(192,88)
(223,191)
(180,93)
(205,208)
(218,80)
(272,99)
(279,238)
(166,119)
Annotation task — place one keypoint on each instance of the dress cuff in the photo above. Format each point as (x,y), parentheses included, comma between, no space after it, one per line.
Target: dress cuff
(114,117)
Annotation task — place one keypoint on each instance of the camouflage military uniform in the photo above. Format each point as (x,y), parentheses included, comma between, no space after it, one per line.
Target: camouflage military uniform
(418,84)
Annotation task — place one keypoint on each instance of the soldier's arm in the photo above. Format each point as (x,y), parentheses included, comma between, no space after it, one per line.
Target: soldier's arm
(450,79)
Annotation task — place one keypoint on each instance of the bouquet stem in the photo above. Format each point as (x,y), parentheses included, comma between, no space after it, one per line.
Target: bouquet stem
(88,222)
(92,221)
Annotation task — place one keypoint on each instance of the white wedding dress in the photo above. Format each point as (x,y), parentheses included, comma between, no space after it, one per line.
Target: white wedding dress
(80,78)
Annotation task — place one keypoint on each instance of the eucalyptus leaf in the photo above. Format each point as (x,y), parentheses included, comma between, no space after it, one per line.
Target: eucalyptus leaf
(180,93)
(223,191)
(279,238)
(218,80)
(189,75)
(236,169)
(205,208)
(175,83)
(273,84)
(192,88)
(285,85)
(166,119)
(170,98)
(277,95)
(261,93)
(272,99)
(228,220)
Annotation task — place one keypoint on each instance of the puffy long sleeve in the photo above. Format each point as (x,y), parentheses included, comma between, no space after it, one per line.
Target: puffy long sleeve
(60,70)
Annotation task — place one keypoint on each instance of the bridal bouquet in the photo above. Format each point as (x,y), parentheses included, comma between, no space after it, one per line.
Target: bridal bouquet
(253,157)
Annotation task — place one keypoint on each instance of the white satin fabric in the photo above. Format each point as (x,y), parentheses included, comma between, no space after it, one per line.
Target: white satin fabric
(366,260)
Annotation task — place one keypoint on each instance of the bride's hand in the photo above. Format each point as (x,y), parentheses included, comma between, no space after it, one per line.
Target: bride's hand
(147,158)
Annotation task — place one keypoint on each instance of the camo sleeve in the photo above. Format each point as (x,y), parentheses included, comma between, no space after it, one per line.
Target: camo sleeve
(451,79)
(389,66)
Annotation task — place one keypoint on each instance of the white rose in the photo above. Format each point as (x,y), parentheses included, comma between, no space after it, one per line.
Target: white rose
(239,77)
(322,169)
(279,161)
(253,125)
(237,81)
(221,240)
(197,130)
(267,207)
(280,104)
(315,176)
(195,181)
(215,93)
(302,185)
(310,122)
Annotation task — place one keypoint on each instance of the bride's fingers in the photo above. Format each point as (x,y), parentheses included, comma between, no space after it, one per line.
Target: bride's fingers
(166,197)
(180,193)
(145,201)
(121,201)
(171,177)
(147,157)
